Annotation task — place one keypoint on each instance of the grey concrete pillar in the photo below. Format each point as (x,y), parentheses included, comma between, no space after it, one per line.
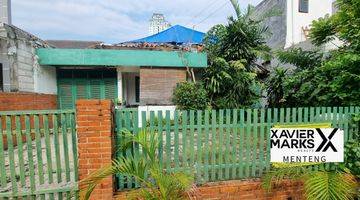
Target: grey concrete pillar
(6,76)
(5,11)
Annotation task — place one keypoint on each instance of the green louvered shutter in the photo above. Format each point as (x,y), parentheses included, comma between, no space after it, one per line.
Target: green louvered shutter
(110,87)
(85,86)
(82,87)
(95,89)
(65,94)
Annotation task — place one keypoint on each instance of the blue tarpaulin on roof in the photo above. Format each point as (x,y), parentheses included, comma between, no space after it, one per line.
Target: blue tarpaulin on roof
(175,34)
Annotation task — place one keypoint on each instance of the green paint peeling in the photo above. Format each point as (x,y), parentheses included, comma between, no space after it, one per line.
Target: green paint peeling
(127,58)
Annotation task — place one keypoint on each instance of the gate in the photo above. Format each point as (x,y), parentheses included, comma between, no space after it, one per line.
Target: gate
(38,154)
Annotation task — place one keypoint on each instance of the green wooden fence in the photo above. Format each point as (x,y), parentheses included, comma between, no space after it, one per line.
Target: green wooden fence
(38,154)
(223,144)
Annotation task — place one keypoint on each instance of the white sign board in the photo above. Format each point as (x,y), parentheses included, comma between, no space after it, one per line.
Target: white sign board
(306,145)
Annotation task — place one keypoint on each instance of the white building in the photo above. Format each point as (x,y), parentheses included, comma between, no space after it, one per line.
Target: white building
(292,23)
(158,24)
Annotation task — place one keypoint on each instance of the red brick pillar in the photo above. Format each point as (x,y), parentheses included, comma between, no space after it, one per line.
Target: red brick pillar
(95,142)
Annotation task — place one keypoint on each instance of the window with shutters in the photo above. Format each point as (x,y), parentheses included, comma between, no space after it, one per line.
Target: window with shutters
(304,6)
(85,84)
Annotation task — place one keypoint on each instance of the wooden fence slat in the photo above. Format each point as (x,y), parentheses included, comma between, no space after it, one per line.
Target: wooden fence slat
(312,114)
(288,115)
(328,119)
(341,118)
(20,152)
(176,140)
(282,115)
(306,115)
(346,123)
(64,123)
(227,145)
(119,126)
(74,146)
(276,118)
(294,115)
(323,114)
(30,155)
(213,144)
(357,128)
(234,144)
(160,132)
(255,140)
(11,154)
(268,125)
(199,146)
(206,146)
(48,148)
(241,141)
(3,182)
(168,141)
(191,139)
(128,119)
(136,146)
(220,145)
(351,128)
(184,139)
(262,160)
(57,148)
(38,149)
(248,141)
(300,115)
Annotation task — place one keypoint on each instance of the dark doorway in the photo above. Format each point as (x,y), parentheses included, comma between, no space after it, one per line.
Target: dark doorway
(137,89)
(1,78)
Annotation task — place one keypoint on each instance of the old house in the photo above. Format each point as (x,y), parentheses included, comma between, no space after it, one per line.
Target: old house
(54,74)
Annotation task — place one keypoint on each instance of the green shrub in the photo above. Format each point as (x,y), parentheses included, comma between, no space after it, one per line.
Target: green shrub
(352,156)
(190,96)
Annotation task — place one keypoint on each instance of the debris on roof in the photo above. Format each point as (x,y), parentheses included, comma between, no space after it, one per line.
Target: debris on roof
(74,44)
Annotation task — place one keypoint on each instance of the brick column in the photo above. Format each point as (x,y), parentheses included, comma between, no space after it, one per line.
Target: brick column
(95,142)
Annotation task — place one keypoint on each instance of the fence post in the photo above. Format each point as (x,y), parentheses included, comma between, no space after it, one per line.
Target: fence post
(95,141)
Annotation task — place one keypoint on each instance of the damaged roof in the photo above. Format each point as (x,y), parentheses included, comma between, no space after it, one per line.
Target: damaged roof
(74,44)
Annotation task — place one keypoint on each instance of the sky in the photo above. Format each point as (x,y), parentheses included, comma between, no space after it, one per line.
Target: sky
(113,21)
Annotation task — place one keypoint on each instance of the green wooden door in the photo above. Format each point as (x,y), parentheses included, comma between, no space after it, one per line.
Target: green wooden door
(85,84)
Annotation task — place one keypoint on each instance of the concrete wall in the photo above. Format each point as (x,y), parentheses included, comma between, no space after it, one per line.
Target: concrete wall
(296,20)
(275,24)
(45,80)
(22,72)
(287,27)
(157,84)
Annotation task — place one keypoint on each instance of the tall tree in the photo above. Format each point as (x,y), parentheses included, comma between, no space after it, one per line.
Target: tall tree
(233,50)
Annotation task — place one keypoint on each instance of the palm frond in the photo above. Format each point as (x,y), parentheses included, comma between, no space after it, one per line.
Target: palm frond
(148,142)
(131,166)
(330,186)
(236,7)
(144,168)
(87,185)
(277,175)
